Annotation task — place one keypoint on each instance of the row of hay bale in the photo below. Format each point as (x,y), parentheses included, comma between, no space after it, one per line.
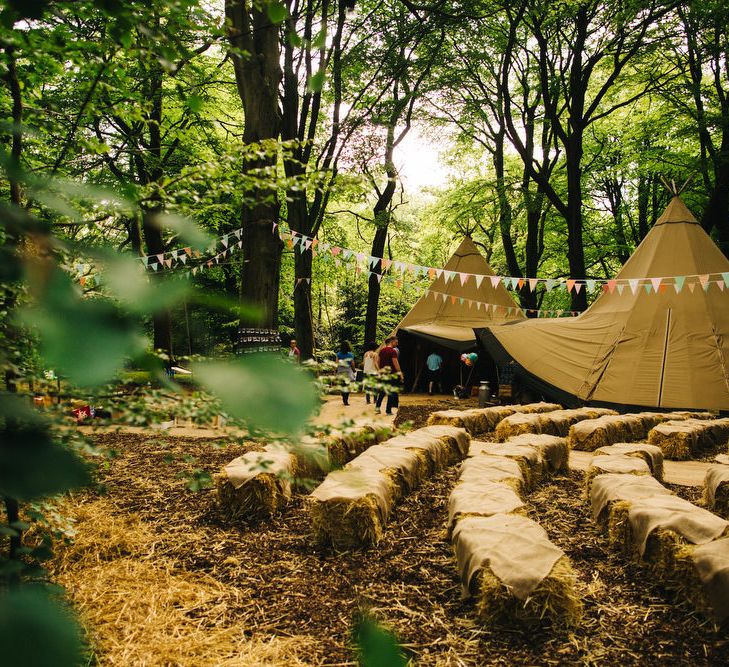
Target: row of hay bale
(590,434)
(555,422)
(686,439)
(716,486)
(682,546)
(506,561)
(259,484)
(478,421)
(351,507)
(625,458)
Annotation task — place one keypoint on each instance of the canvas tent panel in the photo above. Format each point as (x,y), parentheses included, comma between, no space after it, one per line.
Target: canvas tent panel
(664,349)
(453,323)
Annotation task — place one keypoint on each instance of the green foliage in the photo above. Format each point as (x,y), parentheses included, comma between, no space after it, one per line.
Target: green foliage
(37,631)
(87,341)
(377,647)
(264,391)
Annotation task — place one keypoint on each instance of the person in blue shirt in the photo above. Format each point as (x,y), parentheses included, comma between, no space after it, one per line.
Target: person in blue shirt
(434,362)
(345,368)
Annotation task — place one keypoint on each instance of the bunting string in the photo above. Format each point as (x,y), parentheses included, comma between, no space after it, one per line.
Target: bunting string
(231,242)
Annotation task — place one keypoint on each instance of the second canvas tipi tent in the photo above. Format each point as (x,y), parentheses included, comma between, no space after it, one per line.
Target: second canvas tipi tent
(658,337)
(445,317)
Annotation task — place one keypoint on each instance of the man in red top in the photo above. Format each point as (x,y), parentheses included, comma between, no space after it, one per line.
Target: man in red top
(389,364)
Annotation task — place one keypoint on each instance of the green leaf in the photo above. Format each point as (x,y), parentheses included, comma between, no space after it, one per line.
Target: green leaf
(32,466)
(36,631)
(316,82)
(294,40)
(319,39)
(194,103)
(185,228)
(87,340)
(264,390)
(377,647)
(276,11)
(140,292)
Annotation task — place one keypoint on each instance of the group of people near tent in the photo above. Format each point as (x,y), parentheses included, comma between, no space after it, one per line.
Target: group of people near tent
(653,344)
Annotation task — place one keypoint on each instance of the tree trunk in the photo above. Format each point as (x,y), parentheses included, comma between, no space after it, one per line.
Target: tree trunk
(575,248)
(373,293)
(716,213)
(644,193)
(382,222)
(303,322)
(257,74)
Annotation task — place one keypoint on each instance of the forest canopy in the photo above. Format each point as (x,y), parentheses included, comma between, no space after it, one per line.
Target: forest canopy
(555,125)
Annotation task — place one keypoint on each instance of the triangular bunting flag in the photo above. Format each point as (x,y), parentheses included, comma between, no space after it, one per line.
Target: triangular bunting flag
(533,284)
(656,282)
(463,277)
(633,282)
(494,281)
(479,280)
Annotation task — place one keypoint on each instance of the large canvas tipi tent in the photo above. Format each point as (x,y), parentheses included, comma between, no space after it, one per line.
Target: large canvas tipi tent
(445,317)
(635,346)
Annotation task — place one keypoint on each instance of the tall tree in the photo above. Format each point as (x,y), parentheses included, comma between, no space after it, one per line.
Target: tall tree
(256,54)
(582,50)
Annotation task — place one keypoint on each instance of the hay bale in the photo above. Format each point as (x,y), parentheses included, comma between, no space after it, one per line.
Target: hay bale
(716,489)
(433,453)
(619,465)
(485,468)
(483,420)
(518,424)
(673,515)
(515,573)
(553,450)
(678,440)
(457,439)
(590,434)
(480,498)
(554,422)
(536,407)
(612,488)
(349,509)
(686,439)
(527,458)
(257,485)
(651,454)
(475,421)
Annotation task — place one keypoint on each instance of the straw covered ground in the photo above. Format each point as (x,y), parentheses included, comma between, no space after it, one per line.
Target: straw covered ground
(159,577)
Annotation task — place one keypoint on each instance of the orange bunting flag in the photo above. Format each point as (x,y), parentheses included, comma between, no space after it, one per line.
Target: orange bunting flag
(611,284)
(453,300)
(431,274)
(570,285)
(520,283)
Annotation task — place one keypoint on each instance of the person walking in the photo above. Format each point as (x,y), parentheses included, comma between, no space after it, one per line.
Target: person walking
(370,369)
(390,364)
(434,362)
(294,352)
(345,368)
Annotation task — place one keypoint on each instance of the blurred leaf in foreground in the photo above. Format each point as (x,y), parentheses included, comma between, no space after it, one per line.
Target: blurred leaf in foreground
(127,281)
(36,631)
(32,466)
(87,340)
(267,392)
(377,647)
